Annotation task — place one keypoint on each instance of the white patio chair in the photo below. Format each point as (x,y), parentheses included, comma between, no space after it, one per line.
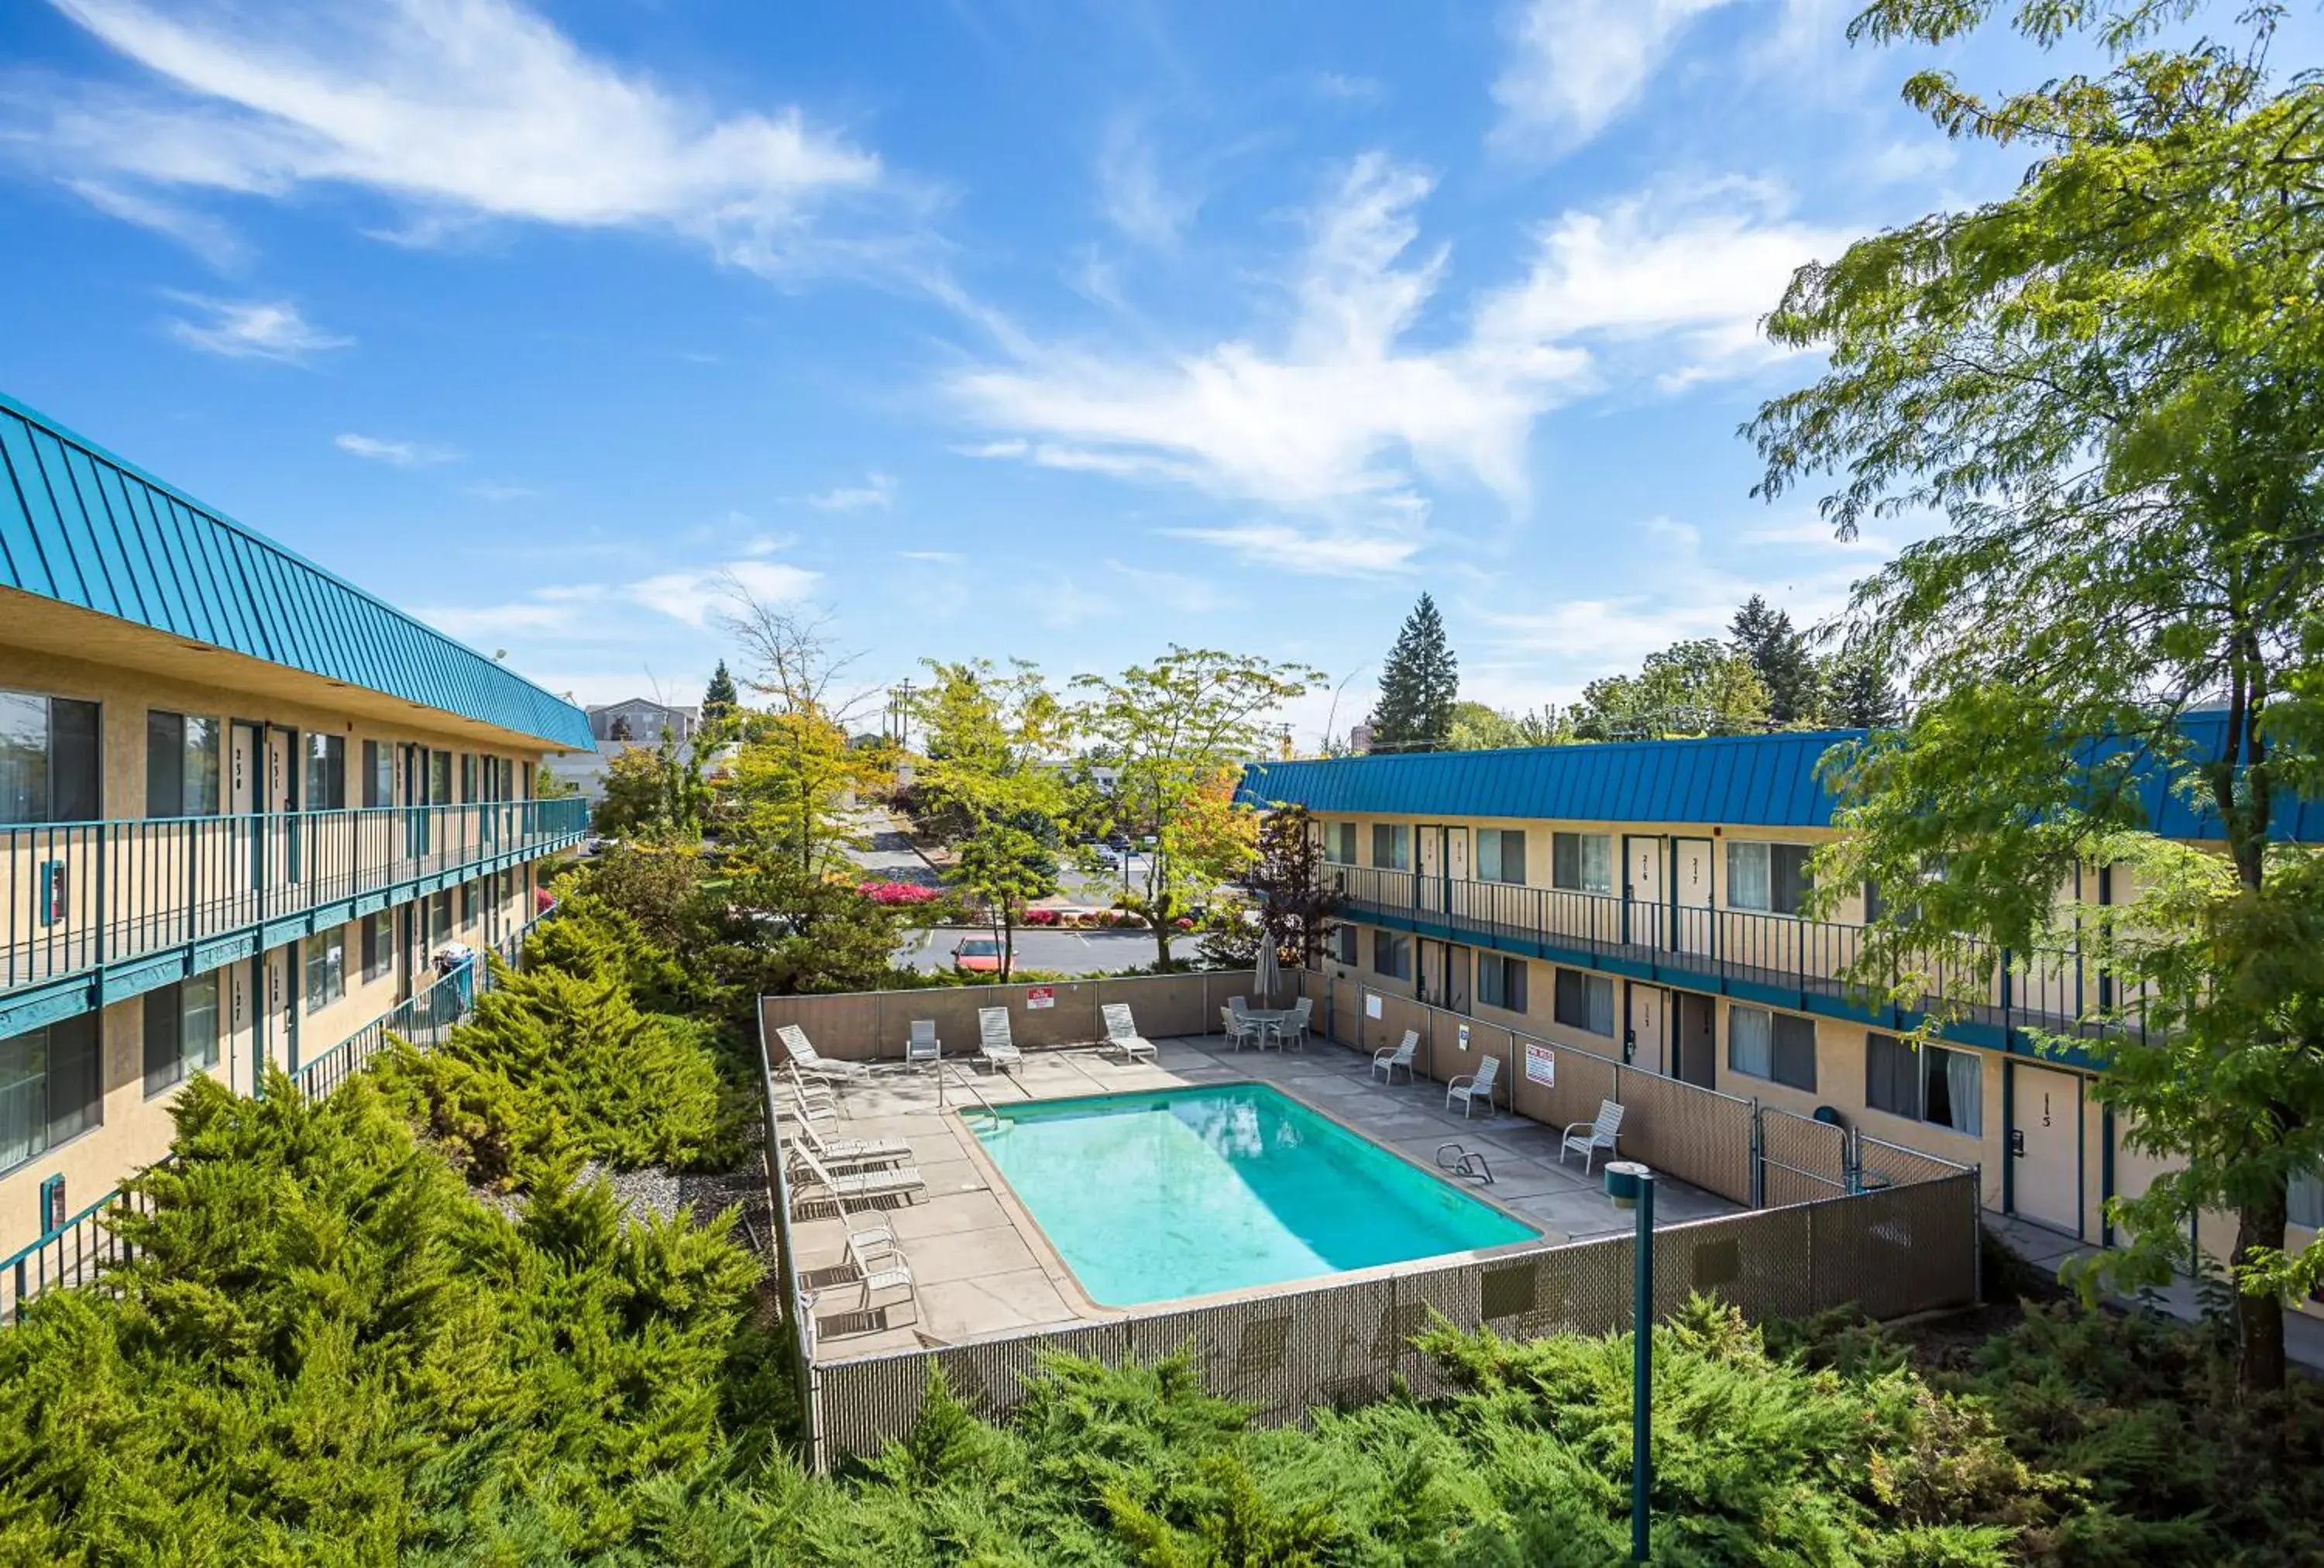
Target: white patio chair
(1388,1058)
(1470,1087)
(923,1048)
(881,1269)
(1122,1032)
(805,1058)
(839,1187)
(811,1094)
(994,1045)
(1239,1025)
(1294,1029)
(1587,1137)
(838,1152)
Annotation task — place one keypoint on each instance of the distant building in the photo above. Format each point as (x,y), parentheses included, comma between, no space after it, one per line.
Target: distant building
(1360,739)
(641,721)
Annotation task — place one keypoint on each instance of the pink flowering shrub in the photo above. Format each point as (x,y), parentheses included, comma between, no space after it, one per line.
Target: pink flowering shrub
(899,893)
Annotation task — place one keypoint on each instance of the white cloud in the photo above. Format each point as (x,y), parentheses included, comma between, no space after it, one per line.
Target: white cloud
(877,490)
(458,111)
(1691,271)
(484,622)
(694,595)
(213,242)
(699,598)
(253,330)
(1343,427)
(1132,190)
(1346,89)
(1576,65)
(398,454)
(1909,162)
(1315,423)
(934,557)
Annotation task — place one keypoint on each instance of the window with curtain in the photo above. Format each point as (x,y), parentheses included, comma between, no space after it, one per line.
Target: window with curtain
(1794,1053)
(181,765)
(1891,1075)
(327,968)
(439,918)
(49,757)
(378,773)
(1951,1092)
(327,773)
(1750,1040)
(1584,1002)
(1343,943)
(50,1087)
(1501,981)
(1340,843)
(1768,877)
(1582,862)
(1392,954)
(1501,854)
(1392,847)
(181,1031)
(440,777)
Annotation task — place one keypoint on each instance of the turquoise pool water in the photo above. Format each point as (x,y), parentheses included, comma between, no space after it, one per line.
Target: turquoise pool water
(1181,1192)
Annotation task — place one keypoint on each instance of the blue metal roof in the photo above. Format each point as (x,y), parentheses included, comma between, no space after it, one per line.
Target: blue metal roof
(1742,780)
(81,527)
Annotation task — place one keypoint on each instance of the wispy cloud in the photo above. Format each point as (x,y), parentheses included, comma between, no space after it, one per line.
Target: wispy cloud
(1132,190)
(934,557)
(877,490)
(694,596)
(1347,89)
(207,237)
(253,330)
(397,454)
(1575,66)
(699,598)
(457,111)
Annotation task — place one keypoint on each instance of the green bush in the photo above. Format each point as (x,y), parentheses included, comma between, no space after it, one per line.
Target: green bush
(551,1061)
(328,1352)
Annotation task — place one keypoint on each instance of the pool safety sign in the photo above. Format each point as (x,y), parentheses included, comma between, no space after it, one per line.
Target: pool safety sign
(1041,996)
(1541,1065)
(1464,1039)
(1371,1004)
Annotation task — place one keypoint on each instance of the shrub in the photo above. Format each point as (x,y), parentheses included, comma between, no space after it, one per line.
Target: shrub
(901,893)
(325,1351)
(1044,917)
(552,1061)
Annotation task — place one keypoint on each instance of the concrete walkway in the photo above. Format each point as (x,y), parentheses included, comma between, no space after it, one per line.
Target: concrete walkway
(983,1268)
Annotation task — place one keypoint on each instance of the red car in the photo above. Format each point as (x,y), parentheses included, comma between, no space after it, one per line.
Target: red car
(977,955)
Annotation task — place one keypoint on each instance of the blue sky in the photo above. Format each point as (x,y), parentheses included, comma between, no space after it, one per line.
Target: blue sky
(1049,329)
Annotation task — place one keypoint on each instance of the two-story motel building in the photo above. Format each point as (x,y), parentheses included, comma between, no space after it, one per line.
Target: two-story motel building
(243,805)
(1645,900)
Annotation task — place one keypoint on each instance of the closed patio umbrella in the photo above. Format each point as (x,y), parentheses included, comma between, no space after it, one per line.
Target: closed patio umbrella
(1270,978)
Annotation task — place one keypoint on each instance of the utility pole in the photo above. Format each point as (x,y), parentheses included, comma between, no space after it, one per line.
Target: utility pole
(899,713)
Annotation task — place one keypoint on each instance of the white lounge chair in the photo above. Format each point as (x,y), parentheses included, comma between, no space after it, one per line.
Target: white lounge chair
(1470,1087)
(994,1044)
(1388,1058)
(881,1269)
(1587,1137)
(811,1094)
(839,1187)
(805,1058)
(1122,1032)
(836,1152)
(1240,1026)
(923,1048)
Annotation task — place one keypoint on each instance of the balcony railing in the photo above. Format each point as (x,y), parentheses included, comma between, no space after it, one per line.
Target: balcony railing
(1774,953)
(82,896)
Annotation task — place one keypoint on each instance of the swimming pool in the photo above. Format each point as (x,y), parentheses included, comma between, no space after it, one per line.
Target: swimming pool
(1182,1192)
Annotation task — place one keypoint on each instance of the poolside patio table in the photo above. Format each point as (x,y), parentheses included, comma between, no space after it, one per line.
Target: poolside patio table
(1270,1022)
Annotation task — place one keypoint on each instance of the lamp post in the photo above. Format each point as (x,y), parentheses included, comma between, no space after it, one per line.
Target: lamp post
(1631,1186)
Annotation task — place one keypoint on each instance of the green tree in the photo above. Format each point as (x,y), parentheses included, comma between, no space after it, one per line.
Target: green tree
(1478,728)
(719,698)
(1177,732)
(1699,687)
(1779,655)
(1857,692)
(2108,386)
(1003,868)
(1419,686)
(797,774)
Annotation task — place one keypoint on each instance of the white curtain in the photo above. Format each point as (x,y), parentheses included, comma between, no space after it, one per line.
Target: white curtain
(1746,876)
(1597,863)
(1749,1034)
(1961,1087)
(1602,1007)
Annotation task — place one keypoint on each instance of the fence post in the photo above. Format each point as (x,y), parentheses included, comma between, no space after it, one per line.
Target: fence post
(1977,1233)
(1758,1159)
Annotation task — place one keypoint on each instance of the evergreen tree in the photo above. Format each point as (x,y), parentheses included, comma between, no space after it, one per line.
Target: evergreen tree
(1419,686)
(1857,692)
(719,698)
(1779,655)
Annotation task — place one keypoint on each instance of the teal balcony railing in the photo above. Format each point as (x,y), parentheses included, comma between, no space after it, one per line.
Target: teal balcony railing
(1776,958)
(86,898)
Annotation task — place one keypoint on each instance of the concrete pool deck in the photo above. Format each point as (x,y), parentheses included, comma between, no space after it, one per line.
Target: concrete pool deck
(981,1266)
